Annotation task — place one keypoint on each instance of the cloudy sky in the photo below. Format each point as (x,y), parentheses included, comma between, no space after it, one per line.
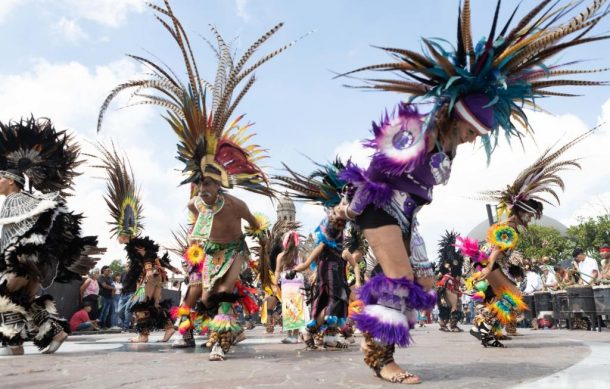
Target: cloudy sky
(61,58)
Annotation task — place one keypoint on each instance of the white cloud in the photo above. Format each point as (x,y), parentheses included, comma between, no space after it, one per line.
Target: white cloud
(110,13)
(69,29)
(242,12)
(7,6)
(71,95)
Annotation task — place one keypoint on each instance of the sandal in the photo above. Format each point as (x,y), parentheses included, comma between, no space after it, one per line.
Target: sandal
(307,338)
(402,378)
(217,354)
(377,356)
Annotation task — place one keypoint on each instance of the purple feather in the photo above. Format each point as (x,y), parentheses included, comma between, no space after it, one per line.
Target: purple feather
(368,191)
(399,141)
(381,285)
(397,333)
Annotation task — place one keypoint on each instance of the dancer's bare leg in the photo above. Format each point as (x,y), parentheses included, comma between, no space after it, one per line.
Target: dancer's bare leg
(390,250)
(150,287)
(225,285)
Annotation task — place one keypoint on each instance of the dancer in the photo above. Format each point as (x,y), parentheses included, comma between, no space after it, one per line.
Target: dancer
(293,307)
(356,249)
(146,270)
(214,150)
(448,286)
(268,273)
(41,240)
(501,302)
(474,91)
(331,291)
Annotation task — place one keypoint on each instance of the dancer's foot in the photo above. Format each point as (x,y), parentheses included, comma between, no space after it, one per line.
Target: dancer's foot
(290,340)
(183,343)
(11,350)
(318,339)
(475,333)
(167,336)
(56,343)
(395,374)
(217,354)
(350,340)
(269,328)
(333,342)
(390,371)
(310,344)
(493,343)
(456,329)
(140,339)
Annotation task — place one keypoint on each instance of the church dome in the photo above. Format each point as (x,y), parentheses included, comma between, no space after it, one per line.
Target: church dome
(285,208)
(285,204)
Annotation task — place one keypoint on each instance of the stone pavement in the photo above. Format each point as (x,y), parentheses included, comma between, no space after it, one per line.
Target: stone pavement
(539,359)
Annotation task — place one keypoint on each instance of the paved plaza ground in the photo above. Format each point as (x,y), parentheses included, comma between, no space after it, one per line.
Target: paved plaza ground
(539,359)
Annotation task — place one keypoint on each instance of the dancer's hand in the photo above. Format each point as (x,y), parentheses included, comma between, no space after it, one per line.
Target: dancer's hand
(484,273)
(149,275)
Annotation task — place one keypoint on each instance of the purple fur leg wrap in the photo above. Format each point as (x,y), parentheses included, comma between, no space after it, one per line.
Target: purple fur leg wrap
(387,325)
(408,292)
(389,309)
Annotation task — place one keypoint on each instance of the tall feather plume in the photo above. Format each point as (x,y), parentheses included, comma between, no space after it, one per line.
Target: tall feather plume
(508,66)
(466,32)
(200,132)
(122,195)
(323,186)
(540,178)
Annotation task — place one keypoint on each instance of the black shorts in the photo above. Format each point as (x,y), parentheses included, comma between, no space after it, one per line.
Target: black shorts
(374,217)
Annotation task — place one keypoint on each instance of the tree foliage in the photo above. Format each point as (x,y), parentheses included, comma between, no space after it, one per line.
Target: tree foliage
(539,241)
(590,233)
(117,266)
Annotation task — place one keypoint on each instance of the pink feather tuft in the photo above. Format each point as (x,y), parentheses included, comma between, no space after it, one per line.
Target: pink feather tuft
(469,247)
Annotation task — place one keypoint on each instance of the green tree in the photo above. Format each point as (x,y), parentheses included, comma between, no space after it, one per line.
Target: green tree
(538,241)
(117,266)
(590,233)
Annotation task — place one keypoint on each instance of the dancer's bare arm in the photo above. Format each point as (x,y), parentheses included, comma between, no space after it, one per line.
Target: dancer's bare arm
(314,254)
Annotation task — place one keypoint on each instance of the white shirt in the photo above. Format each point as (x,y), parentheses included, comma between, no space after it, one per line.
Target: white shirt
(550,280)
(533,282)
(586,269)
(118,287)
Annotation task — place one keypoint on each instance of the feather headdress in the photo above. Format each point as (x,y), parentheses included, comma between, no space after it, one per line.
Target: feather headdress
(540,178)
(269,250)
(450,259)
(123,196)
(210,143)
(489,82)
(323,186)
(33,148)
